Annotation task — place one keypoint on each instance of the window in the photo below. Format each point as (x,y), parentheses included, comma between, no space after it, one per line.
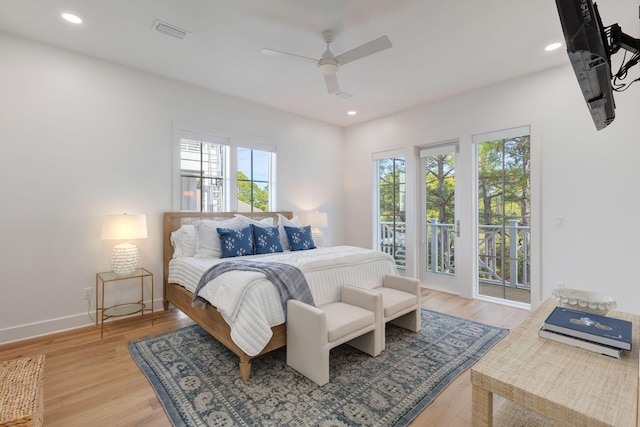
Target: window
(202,166)
(254,179)
(391,210)
(205,164)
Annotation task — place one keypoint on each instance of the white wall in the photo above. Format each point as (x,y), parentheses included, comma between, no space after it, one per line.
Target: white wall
(588,177)
(81,138)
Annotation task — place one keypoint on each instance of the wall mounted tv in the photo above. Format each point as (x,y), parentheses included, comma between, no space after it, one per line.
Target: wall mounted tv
(590,46)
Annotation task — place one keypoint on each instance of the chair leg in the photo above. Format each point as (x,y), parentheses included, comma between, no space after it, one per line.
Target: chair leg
(313,364)
(410,321)
(307,349)
(367,343)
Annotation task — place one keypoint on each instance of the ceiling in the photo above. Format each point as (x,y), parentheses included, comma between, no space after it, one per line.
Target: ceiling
(440,48)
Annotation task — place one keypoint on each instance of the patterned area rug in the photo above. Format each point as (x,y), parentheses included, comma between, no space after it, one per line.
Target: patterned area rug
(198,380)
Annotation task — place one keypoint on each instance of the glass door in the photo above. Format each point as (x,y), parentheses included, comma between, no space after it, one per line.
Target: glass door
(504,214)
(391,208)
(440,243)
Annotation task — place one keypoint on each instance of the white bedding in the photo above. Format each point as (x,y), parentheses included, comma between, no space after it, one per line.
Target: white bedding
(253,307)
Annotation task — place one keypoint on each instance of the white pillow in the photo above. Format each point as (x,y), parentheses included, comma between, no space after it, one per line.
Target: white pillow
(183,241)
(282,221)
(265,222)
(207,238)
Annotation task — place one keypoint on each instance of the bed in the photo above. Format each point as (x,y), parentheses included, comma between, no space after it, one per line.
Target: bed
(255,325)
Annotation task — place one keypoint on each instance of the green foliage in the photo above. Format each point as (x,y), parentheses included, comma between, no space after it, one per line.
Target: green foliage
(392,187)
(252,194)
(440,188)
(503,195)
(504,180)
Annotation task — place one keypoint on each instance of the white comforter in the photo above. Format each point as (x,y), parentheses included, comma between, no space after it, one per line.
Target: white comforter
(250,304)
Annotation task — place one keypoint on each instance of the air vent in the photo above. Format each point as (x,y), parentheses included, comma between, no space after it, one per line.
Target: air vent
(170,30)
(344,94)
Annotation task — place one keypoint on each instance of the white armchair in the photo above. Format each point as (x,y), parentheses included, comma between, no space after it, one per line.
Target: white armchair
(313,331)
(400,304)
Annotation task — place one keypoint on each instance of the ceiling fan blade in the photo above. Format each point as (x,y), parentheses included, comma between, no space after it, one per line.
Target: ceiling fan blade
(288,55)
(332,83)
(374,46)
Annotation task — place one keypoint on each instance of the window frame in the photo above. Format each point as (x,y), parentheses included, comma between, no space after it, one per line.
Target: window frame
(377,158)
(235,141)
(270,182)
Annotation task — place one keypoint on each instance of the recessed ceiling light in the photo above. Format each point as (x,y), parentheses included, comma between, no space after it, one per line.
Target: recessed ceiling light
(553,46)
(72,18)
(352,113)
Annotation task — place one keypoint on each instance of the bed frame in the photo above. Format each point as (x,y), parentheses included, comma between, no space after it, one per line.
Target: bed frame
(210,318)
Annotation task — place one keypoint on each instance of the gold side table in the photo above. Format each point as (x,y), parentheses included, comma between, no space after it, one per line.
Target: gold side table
(124,309)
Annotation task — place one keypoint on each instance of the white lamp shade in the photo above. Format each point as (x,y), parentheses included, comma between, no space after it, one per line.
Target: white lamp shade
(317,219)
(124,227)
(124,257)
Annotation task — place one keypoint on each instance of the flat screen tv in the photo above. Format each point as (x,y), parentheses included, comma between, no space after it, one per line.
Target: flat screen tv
(590,46)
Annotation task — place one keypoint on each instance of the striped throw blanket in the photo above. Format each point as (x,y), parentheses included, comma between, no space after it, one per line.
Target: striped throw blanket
(288,280)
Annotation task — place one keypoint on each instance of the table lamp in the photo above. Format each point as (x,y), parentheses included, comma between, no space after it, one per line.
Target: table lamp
(124,256)
(317,220)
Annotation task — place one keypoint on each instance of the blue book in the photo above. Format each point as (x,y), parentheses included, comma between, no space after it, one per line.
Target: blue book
(592,327)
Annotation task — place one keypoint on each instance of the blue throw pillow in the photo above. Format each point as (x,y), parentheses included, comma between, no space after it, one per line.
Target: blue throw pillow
(236,241)
(266,239)
(299,238)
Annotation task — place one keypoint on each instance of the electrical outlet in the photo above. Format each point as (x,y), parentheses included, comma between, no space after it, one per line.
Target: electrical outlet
(88,292)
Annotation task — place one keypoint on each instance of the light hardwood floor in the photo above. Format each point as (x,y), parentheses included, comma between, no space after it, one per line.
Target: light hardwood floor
(94,382)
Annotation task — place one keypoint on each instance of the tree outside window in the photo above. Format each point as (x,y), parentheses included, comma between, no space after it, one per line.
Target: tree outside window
(254,178)
(392,207)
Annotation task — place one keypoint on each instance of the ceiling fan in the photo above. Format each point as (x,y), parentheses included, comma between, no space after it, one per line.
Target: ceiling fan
(329,63)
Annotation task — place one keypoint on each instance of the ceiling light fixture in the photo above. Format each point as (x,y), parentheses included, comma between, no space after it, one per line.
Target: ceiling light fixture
(344,94)
(352,113)
(170,30)
(552,46)
(70,17)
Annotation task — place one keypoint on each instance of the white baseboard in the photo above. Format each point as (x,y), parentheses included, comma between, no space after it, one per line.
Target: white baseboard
(33,330)
(51,326)
(439,289)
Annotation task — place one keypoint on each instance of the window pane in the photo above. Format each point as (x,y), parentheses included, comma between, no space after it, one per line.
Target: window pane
(504,207)
(189,191)
(440,187)
(211,195)
(261,166)
(254,173)
(391,208)
(201,175)
(244,162)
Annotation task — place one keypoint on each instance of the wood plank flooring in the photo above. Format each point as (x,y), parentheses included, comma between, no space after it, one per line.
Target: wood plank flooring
(94,382)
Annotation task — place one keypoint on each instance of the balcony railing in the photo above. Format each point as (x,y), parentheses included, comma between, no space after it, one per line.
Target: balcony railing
(504,254)
(503,251)
(392,241)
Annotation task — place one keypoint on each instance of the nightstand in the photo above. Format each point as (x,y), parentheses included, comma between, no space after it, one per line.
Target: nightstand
(124,309)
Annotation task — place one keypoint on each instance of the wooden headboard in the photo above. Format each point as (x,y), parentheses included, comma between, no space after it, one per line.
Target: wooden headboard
(174,220)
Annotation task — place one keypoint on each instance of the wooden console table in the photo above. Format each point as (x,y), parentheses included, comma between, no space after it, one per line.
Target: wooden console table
(569,385)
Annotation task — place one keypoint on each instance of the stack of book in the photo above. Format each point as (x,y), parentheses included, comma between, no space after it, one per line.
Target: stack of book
(600,334)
